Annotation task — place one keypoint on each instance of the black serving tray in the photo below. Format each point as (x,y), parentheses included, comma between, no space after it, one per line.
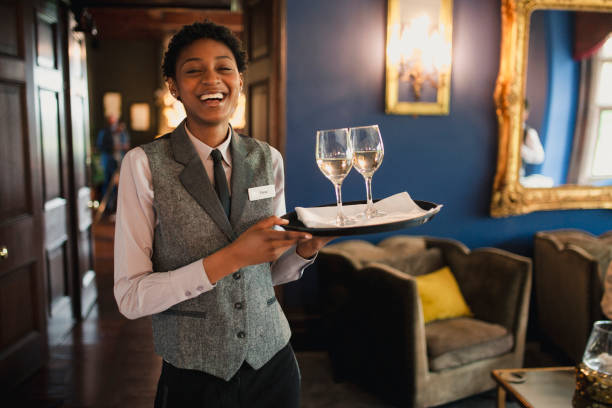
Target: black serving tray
(296,225)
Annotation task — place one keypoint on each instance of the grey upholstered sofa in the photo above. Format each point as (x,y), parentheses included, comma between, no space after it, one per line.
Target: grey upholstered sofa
(569,271)
(375,327)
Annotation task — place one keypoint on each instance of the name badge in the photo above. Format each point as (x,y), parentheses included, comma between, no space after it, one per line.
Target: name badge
(261,192)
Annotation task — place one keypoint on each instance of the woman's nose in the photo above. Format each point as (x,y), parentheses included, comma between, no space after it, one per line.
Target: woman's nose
(210,77)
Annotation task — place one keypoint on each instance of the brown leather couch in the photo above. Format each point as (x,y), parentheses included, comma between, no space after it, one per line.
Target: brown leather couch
(375,327)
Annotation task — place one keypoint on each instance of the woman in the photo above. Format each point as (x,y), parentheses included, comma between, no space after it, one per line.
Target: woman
(197,257)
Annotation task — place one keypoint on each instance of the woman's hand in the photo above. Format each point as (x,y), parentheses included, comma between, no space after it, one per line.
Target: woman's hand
(307,248)
(258,244)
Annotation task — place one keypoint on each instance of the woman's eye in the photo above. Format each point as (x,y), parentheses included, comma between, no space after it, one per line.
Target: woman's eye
(225,68)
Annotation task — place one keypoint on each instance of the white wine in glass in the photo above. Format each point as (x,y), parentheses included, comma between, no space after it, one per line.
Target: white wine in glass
(335,160)
(368,153)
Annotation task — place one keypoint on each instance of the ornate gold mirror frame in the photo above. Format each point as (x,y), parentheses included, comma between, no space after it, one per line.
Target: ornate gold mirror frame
(509,196)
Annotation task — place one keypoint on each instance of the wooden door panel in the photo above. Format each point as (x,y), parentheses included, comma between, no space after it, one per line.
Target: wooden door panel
(9,43)
(53,138)
(85,282)
(22,338)
(14,174)
(46,44)
(17,306)
(265,79)
(50,141)
(259,99)
(56,261)
(22,296)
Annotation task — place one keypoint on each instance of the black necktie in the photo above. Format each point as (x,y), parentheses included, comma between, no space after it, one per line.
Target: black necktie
(221,181)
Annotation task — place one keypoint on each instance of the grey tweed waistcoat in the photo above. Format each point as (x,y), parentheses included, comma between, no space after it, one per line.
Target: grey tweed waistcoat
(238,320)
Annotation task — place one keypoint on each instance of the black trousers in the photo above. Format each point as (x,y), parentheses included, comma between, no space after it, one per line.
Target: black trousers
(275,385)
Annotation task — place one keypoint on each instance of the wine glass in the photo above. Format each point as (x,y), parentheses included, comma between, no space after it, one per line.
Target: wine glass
(335,160)
(368,152)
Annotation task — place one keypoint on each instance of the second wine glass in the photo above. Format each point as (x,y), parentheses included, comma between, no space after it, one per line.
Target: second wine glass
(368,152)
(335,159)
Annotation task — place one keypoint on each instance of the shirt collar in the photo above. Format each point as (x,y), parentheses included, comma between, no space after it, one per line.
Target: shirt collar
(204,150)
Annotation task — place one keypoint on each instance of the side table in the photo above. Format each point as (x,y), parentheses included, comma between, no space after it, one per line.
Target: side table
(550,387)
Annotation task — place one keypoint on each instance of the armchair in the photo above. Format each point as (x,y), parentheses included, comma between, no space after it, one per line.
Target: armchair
(569,269)
(374,319)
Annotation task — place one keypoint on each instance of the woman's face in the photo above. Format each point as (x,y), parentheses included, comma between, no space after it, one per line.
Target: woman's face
(207,82)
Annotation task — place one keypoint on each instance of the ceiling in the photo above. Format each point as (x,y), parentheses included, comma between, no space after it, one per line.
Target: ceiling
(155,19)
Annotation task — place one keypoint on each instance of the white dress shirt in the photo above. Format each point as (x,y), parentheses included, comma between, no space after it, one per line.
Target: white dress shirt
(139,290)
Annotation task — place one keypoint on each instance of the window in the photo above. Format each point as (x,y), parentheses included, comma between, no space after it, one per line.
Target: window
(595,162)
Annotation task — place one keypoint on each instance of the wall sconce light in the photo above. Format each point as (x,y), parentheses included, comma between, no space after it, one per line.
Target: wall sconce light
(418,57)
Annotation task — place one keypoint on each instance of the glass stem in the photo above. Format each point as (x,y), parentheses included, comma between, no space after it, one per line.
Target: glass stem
(370,204)
(339,216)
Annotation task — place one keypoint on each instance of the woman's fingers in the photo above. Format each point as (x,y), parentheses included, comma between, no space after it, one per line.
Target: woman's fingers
(270,222)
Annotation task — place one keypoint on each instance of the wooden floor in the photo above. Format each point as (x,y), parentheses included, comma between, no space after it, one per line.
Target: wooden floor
(107,361)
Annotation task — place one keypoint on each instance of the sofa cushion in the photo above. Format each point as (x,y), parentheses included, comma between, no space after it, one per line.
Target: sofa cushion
(440,296)
(455,342)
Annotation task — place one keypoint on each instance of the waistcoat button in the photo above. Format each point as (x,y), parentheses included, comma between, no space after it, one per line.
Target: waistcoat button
(241,335)
(237,275)
(200,288)
(188,293)
(238,305)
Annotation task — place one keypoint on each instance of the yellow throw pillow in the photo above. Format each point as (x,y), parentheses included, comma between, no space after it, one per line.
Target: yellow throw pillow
(440,296)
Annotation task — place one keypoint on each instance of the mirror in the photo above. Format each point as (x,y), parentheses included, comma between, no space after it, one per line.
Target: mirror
(555,121)
(418,60)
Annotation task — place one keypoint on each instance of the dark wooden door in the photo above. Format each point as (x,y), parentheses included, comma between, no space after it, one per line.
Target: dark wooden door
(51,126)
(23,336)
(265,80)
(85,292)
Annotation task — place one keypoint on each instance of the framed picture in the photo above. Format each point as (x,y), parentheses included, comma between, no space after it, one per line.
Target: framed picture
(418,60)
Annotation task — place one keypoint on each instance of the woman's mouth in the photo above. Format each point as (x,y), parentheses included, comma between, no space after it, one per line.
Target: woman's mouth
(212,99)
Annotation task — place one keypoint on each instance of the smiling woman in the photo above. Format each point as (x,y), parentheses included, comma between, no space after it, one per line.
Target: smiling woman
(198,254)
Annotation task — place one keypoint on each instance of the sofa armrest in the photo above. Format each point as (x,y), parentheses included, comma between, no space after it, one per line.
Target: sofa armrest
(394,343)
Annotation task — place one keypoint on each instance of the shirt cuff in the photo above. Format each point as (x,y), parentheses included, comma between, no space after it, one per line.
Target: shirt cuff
(289,267)
(190,280)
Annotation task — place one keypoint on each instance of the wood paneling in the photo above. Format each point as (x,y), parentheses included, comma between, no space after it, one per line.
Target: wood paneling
(260,32)
(17,306)
(14,169)
(8,29)
(46,52)
(56,261)
(50,140)
(22,295)
(84,280)
(259,100)
(156,23)
(265,29)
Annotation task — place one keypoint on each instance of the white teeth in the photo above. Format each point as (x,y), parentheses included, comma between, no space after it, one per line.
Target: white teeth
(206,97)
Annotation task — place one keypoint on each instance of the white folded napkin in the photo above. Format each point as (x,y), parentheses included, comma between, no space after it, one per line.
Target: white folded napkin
(398,207)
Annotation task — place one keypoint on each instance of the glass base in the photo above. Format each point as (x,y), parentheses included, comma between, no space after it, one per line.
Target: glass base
(373,213)
(343,221)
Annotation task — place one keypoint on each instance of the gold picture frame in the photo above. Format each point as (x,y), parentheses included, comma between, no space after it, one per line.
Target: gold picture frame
(509,197)
(397,13)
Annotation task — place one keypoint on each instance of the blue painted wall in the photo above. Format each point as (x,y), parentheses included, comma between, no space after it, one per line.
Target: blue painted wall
(335,78)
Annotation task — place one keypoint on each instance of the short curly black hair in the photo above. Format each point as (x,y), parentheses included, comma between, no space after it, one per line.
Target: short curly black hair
(196,31)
